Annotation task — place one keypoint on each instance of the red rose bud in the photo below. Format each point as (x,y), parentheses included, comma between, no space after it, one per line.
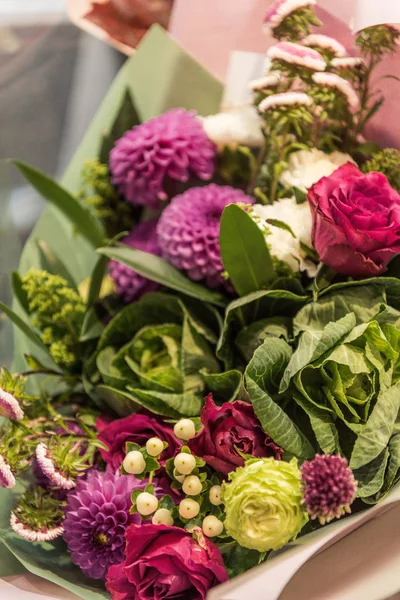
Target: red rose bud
(227,429)
(356,221)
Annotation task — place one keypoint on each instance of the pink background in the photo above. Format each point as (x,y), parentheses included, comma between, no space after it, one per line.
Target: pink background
(211,29)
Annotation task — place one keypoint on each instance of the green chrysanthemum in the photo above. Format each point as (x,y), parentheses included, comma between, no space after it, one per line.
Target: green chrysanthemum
(263,504)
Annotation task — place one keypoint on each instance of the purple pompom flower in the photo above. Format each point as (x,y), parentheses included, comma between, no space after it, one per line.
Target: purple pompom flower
(172,145)
(188,231)
(329,487)
(129,284)
(10,407)
(7,479)
(96,518)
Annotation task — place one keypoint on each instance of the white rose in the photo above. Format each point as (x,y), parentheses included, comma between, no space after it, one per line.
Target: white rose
(239,127)
(306,168)
(282,244)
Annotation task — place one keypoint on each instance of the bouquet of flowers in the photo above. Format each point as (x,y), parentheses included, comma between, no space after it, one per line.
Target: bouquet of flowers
(227,378)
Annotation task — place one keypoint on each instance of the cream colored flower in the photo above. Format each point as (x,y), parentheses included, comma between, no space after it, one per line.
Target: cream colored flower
(239,127)
(306,168)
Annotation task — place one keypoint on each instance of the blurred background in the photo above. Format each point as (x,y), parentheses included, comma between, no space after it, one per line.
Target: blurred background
(53,77)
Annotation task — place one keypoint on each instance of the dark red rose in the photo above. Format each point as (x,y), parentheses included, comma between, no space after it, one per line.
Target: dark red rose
(225,428)
(166,562)
(356,221)
(137,428)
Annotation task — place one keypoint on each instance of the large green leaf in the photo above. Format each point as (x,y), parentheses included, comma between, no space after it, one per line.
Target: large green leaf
(126,118)
(390,285)
(25,328)
(244,251)
(159,270)
(79,216)
(50,262)
(225,387)
(262,379)
(196,357)
(252,336)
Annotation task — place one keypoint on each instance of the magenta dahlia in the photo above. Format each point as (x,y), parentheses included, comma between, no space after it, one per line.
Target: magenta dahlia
(188,230)
(329,487)
(173,145)
(129,284)
(96,517)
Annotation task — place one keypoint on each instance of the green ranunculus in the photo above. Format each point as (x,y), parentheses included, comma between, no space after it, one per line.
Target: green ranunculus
(263,504)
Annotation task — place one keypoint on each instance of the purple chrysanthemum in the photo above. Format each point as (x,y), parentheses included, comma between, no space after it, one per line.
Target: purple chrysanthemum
(172,145)
(96,517)
(7,479)
(329,487)
(188,230)
(129,284)
(9,406)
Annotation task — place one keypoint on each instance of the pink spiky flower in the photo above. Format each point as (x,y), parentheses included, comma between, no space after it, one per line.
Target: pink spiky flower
(282,9)
(295,54)
(325,42)
(285,99)
(55,477)
(9,406)
(331,80)
(42,535)
(347,62)
(329,487)
(7,479)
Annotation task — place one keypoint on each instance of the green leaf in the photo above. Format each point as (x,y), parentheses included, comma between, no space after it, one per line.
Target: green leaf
(78,215)
(252,336)
(96,280)
(19,293)
(24,327)
(159,270)
(262,379)
(127,118)
(92,327)
(53,264)
(374,436)
(244,251)
(225,387)
(196,356)
(178,405)
(371,477)
(281,225)
(111,375)
(389,285)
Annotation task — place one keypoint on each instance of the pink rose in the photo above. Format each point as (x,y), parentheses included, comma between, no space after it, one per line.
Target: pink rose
(356,221)
(227,429)
(166,562)
(137,428)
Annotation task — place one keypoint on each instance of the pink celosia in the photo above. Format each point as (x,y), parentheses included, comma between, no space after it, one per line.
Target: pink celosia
(282,9)
(347,62)
(325,43)
(7,479)
(55,477)
(332,80)
(285,99)
(43,535)
(9,406)
(295,54)
(265,82)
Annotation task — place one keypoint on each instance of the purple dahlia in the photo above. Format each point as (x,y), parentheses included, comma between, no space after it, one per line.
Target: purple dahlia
(129,284)
(188,230)
(329,487)
(172,145)
(96,517)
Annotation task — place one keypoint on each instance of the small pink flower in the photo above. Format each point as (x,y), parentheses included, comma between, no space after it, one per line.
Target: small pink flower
(285,99)
(282,9)
(342,85)
(49,469)
(295,54)
(347,62)
(7,479)
(325,43)
(265,82)
(9,406)
(44,535)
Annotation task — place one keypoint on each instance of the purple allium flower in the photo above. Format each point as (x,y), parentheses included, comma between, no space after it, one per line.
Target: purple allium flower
(9,406)
(129,284)
(7,479)
(172,145)
(188,230)
(49,469)
(329,487)
(96,518)
(44,535)
(282,9)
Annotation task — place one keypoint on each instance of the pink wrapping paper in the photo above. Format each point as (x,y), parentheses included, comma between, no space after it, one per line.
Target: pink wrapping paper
(211,30)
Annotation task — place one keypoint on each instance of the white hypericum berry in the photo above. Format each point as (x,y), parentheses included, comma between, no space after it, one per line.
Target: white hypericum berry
(163,516)
(184,463)
(185,429)
(154,446)
(134,463)
(189,508)
(192,485)
(146,503)
(212,526)
(215,495)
